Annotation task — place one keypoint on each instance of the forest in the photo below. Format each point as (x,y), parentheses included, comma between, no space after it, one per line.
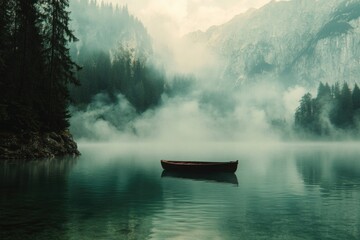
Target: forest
(50,48)
(115,52)
(35,65)
(138,81)
(335,106)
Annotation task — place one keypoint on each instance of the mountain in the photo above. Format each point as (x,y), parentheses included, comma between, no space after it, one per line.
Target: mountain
(109,28)
(299,41)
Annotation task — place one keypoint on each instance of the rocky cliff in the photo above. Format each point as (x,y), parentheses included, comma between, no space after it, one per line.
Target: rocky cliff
(298,41)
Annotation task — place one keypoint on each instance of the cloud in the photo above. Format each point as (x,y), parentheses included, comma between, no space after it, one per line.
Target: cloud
(186,15)
(204,115)
(167,21)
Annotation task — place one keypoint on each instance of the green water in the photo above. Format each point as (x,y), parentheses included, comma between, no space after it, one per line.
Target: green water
(119,191)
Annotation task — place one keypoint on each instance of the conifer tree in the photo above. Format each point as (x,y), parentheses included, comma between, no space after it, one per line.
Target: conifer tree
(336,90)
(336,110)
(356,103)
(5,46)
(22,64)
(5,39)
(60,68)
(35,65)
(4,31)
(345,107)
(322,105)
(356,98)
(304,115)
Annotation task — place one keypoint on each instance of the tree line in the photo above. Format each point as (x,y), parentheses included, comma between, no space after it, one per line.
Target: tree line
(113,50)
(35,65)
(136,78)
(336,106)
(116,56)
(140,82)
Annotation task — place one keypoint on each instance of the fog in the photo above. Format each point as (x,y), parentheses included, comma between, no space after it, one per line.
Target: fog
(169,21)
(214,108)
(201,115)
(184,16)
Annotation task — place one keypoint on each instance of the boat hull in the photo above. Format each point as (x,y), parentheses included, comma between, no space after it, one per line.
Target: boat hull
(195,166)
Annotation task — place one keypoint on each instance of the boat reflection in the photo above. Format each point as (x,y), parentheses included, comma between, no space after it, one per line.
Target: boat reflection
(222,177)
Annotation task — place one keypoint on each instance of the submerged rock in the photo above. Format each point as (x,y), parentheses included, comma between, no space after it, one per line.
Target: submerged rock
(31,145)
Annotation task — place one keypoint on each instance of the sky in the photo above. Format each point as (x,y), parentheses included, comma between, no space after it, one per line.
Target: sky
(184,16)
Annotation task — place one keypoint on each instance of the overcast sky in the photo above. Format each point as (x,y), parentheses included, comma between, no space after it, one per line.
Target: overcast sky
(184,16)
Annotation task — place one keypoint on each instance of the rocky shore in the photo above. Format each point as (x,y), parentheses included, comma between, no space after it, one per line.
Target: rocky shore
(35,145)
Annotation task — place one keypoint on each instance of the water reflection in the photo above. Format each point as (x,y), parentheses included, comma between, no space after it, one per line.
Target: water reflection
(292,193)
(33,197)
(112,201)
(332,179)
(207,177)
(329,168)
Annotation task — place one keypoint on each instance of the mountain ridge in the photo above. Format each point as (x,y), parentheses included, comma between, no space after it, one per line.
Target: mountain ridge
(301,41)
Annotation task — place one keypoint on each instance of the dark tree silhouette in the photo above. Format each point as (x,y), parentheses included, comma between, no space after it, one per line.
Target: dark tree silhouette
(333,107)
(35,65)
(356,98)
(345,111)
(60,68)
(112,65)
(304,115)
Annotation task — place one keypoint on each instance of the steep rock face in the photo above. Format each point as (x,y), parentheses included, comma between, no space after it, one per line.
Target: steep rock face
(300,41)
(109,28)
(34,145)
(333,54)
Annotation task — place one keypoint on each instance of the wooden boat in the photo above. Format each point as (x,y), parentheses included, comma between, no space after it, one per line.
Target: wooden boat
(197,166)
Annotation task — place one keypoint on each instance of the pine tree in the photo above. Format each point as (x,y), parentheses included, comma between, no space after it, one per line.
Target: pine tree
(60,68)
(29,49)
(346,107)
(304,115)
(324,93)
(22,64)
(5,40)
(4,31)
(31,94)
(336,91)
(356,103)
(356,98)
(322,106)
(5,46)
(335,114)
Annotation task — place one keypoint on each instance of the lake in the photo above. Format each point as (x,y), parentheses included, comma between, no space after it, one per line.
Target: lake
(119,191)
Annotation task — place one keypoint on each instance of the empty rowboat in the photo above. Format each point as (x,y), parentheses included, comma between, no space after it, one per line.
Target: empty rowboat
(197,166)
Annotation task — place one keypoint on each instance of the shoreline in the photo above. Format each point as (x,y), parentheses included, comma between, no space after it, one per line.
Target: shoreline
(37,145)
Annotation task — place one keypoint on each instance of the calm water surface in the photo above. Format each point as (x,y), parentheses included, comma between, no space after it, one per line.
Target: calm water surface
(119,191)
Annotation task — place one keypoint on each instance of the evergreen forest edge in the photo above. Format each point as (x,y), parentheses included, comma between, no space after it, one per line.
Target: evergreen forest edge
(35,65)
(335,107)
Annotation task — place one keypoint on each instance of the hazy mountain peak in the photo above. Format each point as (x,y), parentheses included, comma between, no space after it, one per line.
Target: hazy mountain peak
(108,27)
(301,41)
